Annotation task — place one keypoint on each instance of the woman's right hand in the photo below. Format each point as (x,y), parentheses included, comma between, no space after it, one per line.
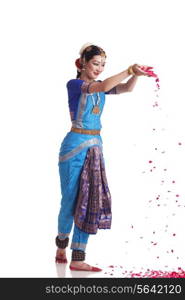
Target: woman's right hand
(138,71)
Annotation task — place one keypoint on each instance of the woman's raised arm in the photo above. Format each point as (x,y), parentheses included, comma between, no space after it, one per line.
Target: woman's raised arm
(109,83)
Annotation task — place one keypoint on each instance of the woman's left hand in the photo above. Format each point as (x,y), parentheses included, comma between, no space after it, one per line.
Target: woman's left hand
(141,70)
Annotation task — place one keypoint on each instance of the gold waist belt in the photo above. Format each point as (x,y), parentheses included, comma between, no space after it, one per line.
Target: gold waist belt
(85,131)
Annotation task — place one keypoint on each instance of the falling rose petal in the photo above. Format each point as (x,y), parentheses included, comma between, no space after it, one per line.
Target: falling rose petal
(151,73)
(155,104)
(160,273)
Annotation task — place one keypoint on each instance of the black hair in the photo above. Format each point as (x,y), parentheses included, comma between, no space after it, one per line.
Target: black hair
(88,54)
(78,74)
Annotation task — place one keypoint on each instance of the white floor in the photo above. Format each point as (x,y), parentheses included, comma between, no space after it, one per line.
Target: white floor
(154,243)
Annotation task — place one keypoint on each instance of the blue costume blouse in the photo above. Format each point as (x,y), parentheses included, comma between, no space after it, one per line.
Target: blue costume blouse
(81,104)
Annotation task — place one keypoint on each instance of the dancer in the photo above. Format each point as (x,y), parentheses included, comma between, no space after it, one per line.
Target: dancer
(86,199)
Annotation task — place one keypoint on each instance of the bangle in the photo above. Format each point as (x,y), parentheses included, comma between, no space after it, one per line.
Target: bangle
(130,71)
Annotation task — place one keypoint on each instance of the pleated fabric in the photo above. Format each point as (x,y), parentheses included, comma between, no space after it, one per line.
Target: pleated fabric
(93,207)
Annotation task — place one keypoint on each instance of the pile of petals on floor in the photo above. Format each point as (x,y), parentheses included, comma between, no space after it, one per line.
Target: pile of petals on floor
(119,271)
(160,274)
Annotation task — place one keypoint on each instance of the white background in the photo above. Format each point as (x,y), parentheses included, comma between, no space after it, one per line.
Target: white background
(40,41)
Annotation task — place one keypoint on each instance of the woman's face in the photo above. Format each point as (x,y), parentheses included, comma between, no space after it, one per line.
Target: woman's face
(94,66)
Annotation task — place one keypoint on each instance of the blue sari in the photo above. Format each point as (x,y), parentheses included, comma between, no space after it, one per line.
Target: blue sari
(74,158)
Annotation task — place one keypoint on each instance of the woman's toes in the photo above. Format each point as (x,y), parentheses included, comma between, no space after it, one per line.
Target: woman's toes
(81,266)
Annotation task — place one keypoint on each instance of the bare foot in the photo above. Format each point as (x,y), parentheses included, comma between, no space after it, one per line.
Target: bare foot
(61,256)
(82,266)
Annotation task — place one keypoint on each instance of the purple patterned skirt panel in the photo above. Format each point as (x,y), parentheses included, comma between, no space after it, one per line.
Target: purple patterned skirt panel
(93,208)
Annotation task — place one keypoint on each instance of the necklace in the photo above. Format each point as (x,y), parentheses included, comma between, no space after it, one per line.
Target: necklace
(96,108)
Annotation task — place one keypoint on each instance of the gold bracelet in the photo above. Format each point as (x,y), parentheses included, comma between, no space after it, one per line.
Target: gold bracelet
(130,71)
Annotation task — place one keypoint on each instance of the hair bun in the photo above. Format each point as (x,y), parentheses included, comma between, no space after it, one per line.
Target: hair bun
(78,64)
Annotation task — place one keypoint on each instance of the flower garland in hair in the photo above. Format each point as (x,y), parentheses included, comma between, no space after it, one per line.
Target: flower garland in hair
(84,47)
(78,61)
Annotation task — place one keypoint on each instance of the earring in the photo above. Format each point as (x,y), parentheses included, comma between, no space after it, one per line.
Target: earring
(83,68)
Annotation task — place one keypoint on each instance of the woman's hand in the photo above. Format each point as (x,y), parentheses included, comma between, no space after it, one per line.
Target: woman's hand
(141,70)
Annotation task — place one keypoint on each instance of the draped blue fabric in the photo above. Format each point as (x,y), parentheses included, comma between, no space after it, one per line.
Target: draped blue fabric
(72,154)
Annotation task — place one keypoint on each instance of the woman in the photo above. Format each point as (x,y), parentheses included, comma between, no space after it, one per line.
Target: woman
(86,198)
